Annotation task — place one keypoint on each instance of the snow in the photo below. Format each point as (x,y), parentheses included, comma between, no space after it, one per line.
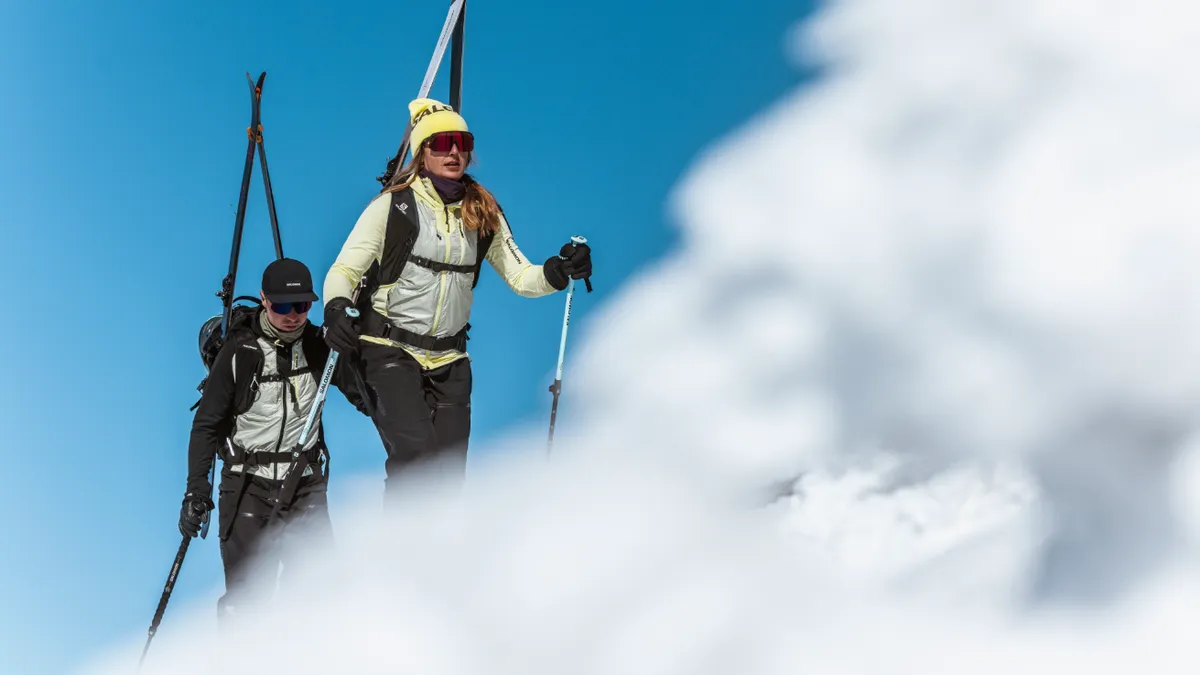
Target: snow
(944,295)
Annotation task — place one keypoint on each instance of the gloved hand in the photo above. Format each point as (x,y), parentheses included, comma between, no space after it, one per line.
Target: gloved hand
(340,331)
(192,513)
(578,260)
(574,261)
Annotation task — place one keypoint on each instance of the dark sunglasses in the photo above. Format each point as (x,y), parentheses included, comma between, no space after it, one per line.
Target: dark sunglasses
(446,140)
(287,307)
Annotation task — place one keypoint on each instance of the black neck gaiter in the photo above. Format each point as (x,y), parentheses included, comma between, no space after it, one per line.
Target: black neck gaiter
(449,189)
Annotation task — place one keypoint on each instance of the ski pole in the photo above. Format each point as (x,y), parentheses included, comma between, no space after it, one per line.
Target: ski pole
(162,602)
(318,404)
(322,390)
(556,388)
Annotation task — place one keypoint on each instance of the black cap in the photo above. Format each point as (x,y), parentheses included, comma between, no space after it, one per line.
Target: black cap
(287,280)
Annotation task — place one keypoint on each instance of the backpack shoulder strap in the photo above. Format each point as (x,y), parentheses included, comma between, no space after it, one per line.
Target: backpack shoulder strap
(481,250)
(247,367)
(403,225)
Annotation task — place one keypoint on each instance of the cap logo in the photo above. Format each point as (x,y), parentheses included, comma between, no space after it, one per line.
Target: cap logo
(293,283)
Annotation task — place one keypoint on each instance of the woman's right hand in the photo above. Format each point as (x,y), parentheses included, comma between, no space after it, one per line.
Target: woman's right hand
(340,330)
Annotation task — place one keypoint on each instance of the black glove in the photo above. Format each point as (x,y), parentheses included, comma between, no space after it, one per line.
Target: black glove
(577,262)
(574,261)
(340,331)
(191,514)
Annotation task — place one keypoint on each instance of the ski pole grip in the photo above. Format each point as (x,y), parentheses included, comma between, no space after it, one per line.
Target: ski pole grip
(577,239)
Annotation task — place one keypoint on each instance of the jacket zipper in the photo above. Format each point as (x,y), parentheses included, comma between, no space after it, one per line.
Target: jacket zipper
(437,314)
(283,424)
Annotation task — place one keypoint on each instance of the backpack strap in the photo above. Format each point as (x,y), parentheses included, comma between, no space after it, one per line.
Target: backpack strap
(388,331)
(399,238)
(403,224)
(436,266)
(485,245)
(247,370)
(403,227)
(481,250)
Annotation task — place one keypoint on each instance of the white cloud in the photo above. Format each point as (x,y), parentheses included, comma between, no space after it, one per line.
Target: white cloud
(949,291)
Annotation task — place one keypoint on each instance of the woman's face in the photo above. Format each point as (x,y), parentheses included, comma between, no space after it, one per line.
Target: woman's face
(451,164)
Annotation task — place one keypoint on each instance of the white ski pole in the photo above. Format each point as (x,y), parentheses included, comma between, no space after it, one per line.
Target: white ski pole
(322,390)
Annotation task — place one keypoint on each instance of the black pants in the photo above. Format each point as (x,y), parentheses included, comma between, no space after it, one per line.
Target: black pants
(253,548)
(423,416)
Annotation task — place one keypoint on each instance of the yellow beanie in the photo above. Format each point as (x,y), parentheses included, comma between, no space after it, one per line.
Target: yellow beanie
(431,117)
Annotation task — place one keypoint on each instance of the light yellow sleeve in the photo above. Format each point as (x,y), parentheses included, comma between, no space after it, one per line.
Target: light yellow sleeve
(522,276)
(363,247)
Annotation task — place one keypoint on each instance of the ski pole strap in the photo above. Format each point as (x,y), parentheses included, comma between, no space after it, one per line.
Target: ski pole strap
(323,387)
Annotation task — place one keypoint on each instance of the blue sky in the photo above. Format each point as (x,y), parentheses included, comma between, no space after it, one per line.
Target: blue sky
(122,133)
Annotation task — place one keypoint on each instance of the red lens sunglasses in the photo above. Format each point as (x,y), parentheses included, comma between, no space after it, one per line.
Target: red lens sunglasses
(446,140)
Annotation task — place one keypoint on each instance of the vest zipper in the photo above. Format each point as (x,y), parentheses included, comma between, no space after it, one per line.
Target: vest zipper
(437,313)
(286,380)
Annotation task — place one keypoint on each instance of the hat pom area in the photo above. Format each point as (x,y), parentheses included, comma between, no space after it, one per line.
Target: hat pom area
(420,105)
(428,117)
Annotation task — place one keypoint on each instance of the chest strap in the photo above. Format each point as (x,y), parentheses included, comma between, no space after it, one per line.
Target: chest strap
(440,266)
(277,377)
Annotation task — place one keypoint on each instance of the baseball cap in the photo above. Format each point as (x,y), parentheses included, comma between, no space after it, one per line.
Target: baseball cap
(288,280)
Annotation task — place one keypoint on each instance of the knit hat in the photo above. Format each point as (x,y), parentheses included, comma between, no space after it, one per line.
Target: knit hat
(431,117)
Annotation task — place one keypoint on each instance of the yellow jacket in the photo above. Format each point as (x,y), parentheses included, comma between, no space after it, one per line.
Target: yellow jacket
(421,300)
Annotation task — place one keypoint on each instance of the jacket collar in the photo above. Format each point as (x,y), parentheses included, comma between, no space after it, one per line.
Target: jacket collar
(423,188)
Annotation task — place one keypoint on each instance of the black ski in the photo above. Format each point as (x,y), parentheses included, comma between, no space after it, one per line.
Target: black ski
(213,332)
(456,60)
(255,134)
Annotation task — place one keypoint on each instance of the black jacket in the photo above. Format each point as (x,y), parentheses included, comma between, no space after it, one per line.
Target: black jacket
(228,394)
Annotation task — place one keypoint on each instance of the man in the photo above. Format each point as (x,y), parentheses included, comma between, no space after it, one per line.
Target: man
(255,402)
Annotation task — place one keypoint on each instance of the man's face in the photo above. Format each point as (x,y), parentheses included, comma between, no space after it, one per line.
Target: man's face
(287,316)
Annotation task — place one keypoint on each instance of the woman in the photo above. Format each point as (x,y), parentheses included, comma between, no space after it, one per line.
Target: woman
(414,258)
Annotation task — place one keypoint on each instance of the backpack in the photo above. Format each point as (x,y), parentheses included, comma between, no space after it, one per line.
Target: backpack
(247,368)
(398,241)
(210,342)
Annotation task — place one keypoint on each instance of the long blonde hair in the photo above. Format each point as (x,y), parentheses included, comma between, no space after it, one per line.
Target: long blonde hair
(480,211)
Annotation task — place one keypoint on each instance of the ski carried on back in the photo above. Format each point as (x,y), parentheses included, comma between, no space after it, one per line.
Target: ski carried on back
(210,345)
(452,29)
(214,330)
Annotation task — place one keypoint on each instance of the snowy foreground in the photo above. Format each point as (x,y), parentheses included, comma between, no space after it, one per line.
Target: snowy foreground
(944,300)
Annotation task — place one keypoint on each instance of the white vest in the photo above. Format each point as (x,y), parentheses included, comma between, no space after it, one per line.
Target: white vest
(274,421)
